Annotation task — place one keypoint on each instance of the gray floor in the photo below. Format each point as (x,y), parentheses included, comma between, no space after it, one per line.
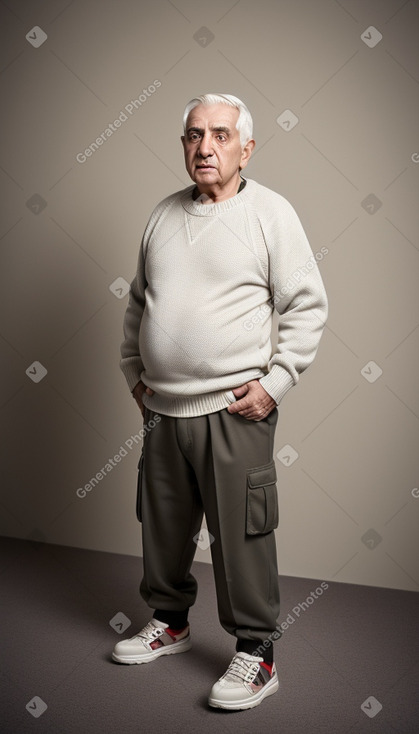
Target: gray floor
(351,643)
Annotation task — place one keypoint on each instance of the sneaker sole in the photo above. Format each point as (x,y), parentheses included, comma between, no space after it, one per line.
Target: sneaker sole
(182,646)
(246,703)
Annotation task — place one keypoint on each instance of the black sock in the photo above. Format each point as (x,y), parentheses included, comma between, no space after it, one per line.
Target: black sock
(256,648)
(175,620)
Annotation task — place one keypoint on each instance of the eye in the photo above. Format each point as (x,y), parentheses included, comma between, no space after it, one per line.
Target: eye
(221,137)
(193,136)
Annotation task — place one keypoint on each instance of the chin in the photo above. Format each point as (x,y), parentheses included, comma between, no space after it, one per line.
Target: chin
(209,176)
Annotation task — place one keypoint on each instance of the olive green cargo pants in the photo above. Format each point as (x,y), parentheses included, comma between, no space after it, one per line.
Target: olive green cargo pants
(220,464)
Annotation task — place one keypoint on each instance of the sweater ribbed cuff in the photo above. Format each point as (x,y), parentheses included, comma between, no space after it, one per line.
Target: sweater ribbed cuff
(277,382)
(132,367)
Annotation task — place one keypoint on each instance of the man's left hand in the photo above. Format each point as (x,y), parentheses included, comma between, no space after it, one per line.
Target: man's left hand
(253,402)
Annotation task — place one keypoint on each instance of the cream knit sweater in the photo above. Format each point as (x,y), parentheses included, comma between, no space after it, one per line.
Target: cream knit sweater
(199,317)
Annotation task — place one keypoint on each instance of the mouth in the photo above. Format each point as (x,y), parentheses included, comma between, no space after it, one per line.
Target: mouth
(203,167)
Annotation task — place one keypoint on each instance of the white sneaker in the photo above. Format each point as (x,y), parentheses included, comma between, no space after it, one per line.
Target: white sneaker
(244,684)
(155,639)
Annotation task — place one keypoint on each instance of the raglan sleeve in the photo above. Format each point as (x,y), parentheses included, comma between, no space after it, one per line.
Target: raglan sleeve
(131,363)
(299,297)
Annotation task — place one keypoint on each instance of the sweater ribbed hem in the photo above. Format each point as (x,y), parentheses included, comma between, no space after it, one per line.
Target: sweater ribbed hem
(276,383)
(190,406)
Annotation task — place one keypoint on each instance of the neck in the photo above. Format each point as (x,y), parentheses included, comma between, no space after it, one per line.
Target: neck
(218,193)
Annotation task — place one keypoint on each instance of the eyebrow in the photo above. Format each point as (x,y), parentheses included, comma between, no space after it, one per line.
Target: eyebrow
(215,128)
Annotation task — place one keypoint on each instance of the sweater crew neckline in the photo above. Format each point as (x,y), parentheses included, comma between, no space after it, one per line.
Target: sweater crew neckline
(211,210)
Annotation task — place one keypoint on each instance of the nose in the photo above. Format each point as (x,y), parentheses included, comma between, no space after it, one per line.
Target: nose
(205,147)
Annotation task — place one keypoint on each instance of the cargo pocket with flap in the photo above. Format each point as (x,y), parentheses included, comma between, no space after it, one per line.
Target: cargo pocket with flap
(139,485)
(262,514)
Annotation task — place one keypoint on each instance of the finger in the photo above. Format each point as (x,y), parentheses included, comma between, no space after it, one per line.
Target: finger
(253,415)
(249,415)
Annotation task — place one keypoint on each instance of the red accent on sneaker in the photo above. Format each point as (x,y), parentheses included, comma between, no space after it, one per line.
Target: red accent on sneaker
(173,632)
(155,644)
(268,667)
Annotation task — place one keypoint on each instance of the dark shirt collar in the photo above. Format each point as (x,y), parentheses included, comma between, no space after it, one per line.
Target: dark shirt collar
(195,192)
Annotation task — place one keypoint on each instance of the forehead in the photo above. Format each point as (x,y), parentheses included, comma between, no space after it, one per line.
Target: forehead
(213,115)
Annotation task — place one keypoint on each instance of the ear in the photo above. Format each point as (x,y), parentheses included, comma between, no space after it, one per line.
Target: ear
(182,137)
(246,153)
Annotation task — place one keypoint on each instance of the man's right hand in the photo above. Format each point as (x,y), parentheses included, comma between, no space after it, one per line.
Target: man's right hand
(137,393)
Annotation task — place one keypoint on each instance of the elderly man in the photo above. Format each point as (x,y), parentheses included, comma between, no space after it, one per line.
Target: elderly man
(216,258)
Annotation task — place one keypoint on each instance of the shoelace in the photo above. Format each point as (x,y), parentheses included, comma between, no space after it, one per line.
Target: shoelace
(244,670)
(149,631)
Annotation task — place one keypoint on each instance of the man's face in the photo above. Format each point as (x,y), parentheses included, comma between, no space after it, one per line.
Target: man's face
(213,152)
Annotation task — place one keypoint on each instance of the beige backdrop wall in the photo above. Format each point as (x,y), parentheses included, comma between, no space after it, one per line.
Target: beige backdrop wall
(333,87)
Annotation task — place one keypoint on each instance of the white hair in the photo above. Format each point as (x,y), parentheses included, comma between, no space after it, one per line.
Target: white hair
(244,123)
